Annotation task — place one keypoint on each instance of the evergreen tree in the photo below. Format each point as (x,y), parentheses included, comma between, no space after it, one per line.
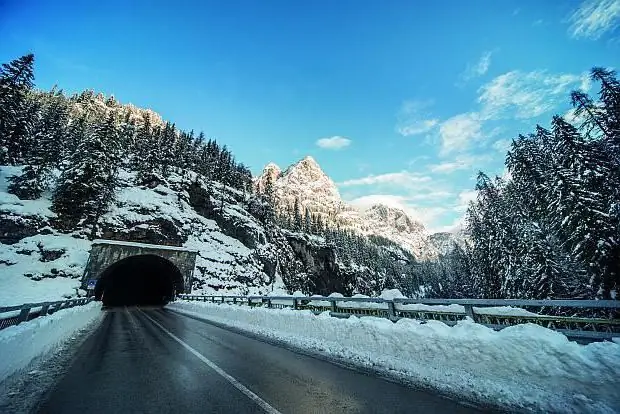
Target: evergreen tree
(85,189)
(297,220)
(308,222)
(16,80)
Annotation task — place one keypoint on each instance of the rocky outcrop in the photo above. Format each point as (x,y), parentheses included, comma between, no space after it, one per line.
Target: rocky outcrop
(306,183)
(16,227)
(320,264)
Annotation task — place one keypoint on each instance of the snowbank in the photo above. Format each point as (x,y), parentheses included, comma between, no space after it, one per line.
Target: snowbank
(392,294)
(20,344)
(524,366)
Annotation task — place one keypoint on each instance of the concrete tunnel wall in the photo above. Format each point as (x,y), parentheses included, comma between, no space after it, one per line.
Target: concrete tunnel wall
(105,253)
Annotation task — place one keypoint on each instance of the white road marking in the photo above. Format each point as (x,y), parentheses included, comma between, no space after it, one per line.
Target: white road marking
(258,400)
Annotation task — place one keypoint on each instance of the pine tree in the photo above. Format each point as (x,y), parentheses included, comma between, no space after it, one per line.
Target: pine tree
(44,150)
(308,222)
(85,189)
(297,220)
(16,80)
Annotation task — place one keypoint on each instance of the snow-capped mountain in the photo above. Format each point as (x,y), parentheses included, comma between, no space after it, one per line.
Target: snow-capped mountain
(307,183)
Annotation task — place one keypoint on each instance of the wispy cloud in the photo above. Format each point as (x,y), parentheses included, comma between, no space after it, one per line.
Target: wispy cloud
(465,197)
(594,18)
(413,118)
(460,162)
(458,132)
(525,95)
(402,178)
(479,68)
(502,145)
(333,143)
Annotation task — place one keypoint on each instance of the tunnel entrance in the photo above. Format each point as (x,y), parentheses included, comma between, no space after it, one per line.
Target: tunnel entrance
(139,280)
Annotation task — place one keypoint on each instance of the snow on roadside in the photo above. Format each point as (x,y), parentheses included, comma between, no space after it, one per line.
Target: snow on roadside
(21,344)
(392,294)
(524,366)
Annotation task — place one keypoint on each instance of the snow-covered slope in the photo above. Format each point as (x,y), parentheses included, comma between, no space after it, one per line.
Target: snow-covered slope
(38,262)
(306,182)
(445,242)
(241,251)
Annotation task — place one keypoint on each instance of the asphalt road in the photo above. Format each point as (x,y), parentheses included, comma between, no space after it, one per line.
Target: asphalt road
(157,361)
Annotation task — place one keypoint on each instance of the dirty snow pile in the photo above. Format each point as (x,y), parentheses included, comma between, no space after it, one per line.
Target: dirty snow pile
(521,367)
(21,344)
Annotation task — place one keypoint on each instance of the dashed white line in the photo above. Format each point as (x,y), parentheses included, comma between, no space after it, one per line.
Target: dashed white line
(251,395)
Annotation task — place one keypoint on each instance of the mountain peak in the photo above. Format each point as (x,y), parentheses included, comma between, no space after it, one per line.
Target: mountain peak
(306,183)
(307,169)
(272,166)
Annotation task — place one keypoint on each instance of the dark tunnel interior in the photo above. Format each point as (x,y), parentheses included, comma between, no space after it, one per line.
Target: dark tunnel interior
(139,280)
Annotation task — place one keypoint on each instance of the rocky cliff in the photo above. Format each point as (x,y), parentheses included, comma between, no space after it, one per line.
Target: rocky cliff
(306,183)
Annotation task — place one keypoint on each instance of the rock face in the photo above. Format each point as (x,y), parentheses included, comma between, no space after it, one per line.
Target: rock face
(306,182)
(240,249)
(446,242)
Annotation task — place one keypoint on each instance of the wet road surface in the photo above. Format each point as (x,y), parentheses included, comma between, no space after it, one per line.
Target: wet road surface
(157,361)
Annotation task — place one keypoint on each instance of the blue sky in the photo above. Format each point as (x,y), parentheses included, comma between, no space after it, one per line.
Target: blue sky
(400,102)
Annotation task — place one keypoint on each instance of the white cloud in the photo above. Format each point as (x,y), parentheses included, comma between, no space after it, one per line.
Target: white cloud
(525,94)
(390,200)
(460,162)
(403,178)
(459,131)
(467,196)
(414,118)
(457,225)
(502,145)
(431,195)
(333,143)
(594,18)
(479,68)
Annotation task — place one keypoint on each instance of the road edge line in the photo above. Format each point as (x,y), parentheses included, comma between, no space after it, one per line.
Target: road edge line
(245,390)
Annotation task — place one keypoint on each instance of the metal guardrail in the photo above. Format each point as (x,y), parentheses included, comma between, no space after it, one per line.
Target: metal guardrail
(579,328)
(14,315)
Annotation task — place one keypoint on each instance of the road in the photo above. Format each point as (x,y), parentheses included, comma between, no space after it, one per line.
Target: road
(157,361)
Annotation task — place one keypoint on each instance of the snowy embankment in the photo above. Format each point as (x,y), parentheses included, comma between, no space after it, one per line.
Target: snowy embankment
(21,344)
(521,367)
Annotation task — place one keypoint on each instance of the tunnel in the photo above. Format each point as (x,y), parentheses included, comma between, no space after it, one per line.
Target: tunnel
(139,280)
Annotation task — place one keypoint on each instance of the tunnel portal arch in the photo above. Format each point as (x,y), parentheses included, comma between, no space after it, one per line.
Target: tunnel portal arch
(139,280)
(111,256)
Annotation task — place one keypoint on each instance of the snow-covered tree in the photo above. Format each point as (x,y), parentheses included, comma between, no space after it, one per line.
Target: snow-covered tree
(16,81)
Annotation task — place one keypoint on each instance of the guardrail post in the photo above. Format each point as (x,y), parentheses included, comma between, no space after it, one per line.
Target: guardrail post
(269,303)
(295,304)
(333,305)
(235,300)
(44,309)
(23,315)
(469,311)
(391,310)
